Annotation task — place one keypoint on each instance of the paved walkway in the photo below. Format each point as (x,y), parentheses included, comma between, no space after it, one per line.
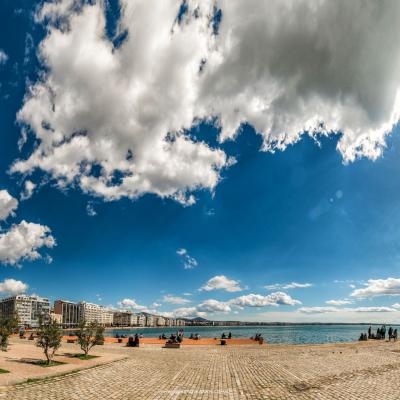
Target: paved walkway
(359,371)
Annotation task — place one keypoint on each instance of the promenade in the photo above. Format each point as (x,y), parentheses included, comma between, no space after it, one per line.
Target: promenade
(347,371)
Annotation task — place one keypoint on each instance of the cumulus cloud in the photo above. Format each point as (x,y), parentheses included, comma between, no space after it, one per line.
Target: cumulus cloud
(114,122)
(184,312)
(323,310)
(214,306)
(8,205)
(292,285)
(221,282)
(23,241)
(258,300)
(379,287)
(338,302)
(12,286)
(3,57)
(175,300)
(29,188)
(188,261)
(131,304)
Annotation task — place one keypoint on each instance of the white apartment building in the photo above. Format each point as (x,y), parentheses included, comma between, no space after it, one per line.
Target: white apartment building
(141,320)
(107,317)
(160,321)
(26,308)
(90,312)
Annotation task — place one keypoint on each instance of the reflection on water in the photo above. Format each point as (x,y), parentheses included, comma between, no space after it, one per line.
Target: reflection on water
(296,334)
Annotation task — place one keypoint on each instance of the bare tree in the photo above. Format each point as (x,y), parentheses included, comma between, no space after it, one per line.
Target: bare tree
(49,337)
(7,327)
(89,335)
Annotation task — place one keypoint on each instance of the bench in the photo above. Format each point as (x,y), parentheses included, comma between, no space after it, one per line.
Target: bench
(172,345)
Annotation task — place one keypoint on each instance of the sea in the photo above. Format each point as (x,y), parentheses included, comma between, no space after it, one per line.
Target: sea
(288,334)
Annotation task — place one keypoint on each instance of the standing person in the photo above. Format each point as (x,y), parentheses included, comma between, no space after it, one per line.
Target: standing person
(390,333)
(137,340)
(230,335)
(369,333)
(395,335)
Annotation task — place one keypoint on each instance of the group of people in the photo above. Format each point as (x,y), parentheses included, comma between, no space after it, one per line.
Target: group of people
(229,336)
(380,334)
(258,337)
(133,341)
(176,338)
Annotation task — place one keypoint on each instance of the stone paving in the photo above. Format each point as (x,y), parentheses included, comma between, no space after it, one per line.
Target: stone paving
(349,371)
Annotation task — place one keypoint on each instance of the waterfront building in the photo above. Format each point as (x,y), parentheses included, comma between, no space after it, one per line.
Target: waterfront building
(90,312)
(150,320)
(56,317)
(141,320)
(124,318)
(69,311)
(28,309)
(107,317)
(160,321)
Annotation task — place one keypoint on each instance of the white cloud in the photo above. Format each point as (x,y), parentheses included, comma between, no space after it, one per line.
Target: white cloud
(175,300)
(258,300)
(323,310)
(292,285)
(23,241)
(90,209)
(184,312)
(317,310)
(188,261)
(119,109)
(29,188)
(214,306)
(3,57)
(379,287)
(223,283)
(131,304)
(12,286)
(8,205)
(338,302)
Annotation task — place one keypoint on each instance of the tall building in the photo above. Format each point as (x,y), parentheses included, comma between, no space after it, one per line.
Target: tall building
(70,313)
(160,321)
(90,312)
(124,318)
(107,317)
(26,308)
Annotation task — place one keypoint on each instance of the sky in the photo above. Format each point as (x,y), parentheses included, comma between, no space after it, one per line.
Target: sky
(221,159)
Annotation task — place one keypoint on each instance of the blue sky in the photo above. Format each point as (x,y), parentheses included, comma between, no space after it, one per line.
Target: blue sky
(321,211)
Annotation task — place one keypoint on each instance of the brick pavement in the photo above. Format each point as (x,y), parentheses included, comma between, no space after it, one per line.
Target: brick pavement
(346,372)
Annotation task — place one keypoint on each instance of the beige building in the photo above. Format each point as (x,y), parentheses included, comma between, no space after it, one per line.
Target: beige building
(160,321)
(107,317)
(124,318)
(26,308)
(56,317)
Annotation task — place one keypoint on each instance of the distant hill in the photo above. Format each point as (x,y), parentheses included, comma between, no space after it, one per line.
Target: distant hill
(199,319)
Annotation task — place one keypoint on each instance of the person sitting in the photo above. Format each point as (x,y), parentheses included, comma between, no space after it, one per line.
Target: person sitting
(191,336)
(223,336)
(196,336)
(163,336)
(117,336)
(131,342)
